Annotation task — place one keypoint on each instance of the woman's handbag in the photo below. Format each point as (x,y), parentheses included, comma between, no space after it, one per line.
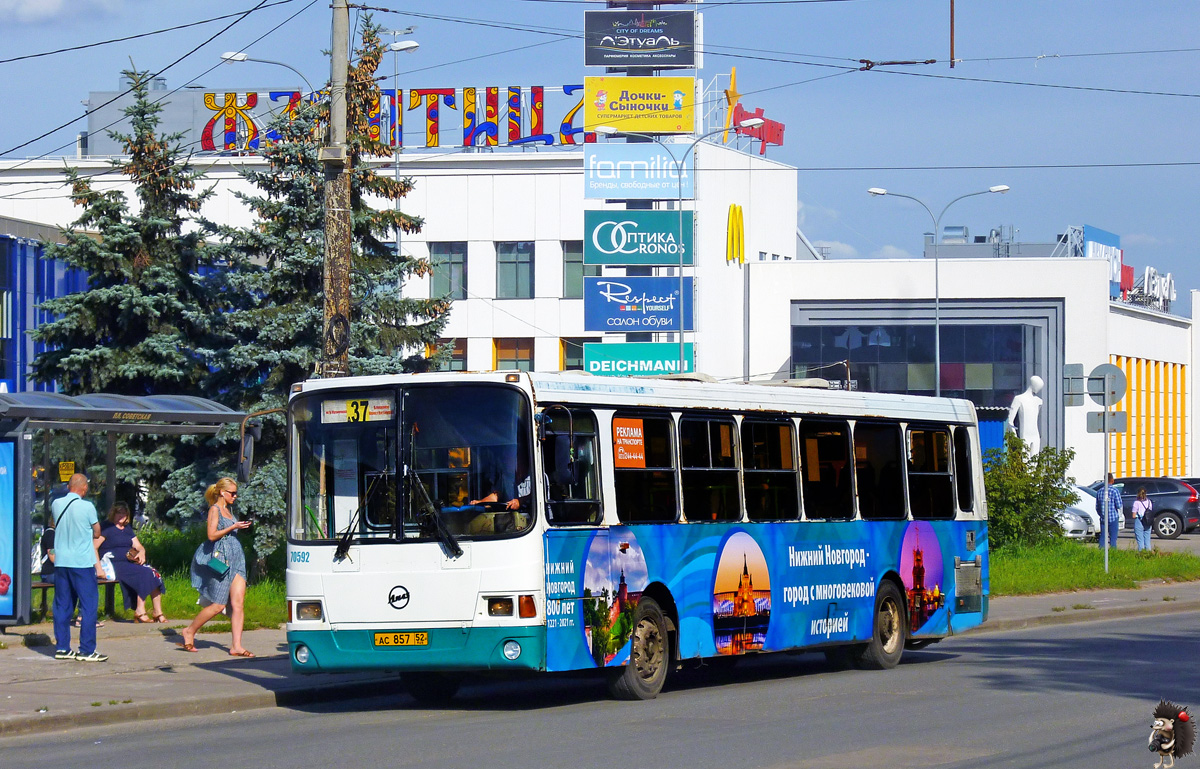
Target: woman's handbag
(210,556)
(217,562)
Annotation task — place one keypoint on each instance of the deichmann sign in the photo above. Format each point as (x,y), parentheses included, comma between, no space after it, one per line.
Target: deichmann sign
(636,237)
(639,39)
(653,104)
(642,171)
(635,304)
(636,358)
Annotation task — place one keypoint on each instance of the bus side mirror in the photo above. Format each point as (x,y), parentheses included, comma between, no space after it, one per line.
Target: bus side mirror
(250,433)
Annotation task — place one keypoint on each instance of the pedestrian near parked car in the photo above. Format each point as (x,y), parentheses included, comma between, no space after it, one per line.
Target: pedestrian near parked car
(219,568)
(1143,519)
(128,556)
(1112,521)
(76,568)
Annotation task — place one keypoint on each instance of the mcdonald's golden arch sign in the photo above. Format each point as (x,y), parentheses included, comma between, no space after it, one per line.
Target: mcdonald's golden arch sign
(735,236)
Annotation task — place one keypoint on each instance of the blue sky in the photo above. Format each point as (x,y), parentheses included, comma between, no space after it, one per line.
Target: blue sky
(917,129)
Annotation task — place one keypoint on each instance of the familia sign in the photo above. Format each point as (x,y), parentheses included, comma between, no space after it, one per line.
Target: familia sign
(639,38)
(636,304)
(642,171)
(651,104)
(637,237)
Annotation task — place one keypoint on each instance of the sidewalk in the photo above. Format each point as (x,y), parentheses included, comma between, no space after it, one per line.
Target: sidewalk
(147,676)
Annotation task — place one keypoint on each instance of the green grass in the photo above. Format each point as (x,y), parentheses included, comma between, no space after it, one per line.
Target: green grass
(1064,566)
(266,604)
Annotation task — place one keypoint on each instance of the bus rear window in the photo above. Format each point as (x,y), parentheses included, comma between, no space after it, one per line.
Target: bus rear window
(930,486)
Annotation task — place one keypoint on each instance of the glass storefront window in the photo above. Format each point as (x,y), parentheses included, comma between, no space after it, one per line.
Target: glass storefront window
(983,363)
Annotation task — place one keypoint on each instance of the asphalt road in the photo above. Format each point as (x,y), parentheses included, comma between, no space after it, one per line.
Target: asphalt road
(1067,696)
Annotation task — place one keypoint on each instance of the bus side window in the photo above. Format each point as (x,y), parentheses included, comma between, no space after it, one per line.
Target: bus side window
(573,488)
(644,469)
(709,465)
(930,485)
(769,468)
(877,450)
(826,469)
(962,469)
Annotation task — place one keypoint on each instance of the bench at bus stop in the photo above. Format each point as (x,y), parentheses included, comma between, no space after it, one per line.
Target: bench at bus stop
(107,586)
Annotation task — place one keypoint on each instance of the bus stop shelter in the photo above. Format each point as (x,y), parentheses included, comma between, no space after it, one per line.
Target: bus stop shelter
(23,413)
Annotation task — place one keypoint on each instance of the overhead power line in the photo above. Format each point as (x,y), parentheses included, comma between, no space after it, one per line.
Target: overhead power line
(137,36)
(127,91)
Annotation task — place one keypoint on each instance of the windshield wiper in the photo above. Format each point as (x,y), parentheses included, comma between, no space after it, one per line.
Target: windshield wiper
(344,538)
(431,522)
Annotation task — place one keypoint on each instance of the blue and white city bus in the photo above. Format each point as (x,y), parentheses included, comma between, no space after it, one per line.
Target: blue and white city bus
(446,524)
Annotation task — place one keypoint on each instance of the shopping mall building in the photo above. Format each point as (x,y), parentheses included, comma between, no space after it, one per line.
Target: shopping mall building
(505,227)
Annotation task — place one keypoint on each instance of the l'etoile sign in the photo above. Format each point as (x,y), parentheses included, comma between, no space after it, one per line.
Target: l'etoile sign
(637,237)
(644,171)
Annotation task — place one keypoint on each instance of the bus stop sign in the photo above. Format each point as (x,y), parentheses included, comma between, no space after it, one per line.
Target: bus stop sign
(65,471)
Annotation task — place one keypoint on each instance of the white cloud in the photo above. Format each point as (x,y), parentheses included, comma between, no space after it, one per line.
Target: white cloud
(836,249)
(45,10)
(804,210)
(892,252)
(1140,239)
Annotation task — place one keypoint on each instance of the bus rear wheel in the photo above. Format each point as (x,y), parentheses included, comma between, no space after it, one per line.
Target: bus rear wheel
(888,634)
(431,688)
(642,678)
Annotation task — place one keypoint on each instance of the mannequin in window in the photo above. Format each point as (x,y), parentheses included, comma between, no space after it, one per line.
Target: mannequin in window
(1023,414)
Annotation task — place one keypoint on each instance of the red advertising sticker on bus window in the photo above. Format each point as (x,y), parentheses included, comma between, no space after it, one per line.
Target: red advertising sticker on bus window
(629,443)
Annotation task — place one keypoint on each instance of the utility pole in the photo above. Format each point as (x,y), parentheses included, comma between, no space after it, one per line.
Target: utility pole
(336,338)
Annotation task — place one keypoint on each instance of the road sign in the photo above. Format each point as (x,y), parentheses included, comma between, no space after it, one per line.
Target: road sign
(1106,384)
(65,471)
(1107,422)
(1074,384)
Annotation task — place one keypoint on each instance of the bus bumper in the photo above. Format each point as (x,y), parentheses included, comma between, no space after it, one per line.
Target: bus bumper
(449,649)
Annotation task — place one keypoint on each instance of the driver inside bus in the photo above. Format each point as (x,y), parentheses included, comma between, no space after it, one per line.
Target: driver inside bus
(508,481)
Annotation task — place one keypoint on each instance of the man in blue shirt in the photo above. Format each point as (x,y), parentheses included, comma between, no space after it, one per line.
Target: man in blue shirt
(76,568)
(1115,511)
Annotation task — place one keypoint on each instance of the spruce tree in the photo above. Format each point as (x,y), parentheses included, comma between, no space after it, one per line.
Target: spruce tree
(136,328)
(274,334)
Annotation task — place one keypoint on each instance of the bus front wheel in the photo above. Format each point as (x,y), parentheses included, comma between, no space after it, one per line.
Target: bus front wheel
(431,688)
(643,676)
(888,635)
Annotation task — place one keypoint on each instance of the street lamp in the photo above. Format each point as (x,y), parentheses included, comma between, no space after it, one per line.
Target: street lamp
(399,46)
(937,221)
(234,56)
(605,130)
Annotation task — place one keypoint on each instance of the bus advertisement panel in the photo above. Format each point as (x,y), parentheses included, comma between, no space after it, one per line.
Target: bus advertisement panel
(751,587)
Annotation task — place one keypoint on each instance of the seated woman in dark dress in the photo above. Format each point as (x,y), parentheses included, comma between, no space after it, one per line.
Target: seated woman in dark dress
(138,581)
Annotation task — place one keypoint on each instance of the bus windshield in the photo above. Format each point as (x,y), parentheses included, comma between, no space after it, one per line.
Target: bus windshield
(429,462)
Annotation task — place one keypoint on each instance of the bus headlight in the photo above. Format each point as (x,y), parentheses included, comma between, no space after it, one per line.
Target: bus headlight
(309,610)
(302,654)
(512,650)
(500,607)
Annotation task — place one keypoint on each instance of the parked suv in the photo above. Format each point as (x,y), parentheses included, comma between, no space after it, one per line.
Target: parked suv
(1176,505)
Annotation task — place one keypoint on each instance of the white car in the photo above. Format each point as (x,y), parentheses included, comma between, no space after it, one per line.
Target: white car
(1080,519)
